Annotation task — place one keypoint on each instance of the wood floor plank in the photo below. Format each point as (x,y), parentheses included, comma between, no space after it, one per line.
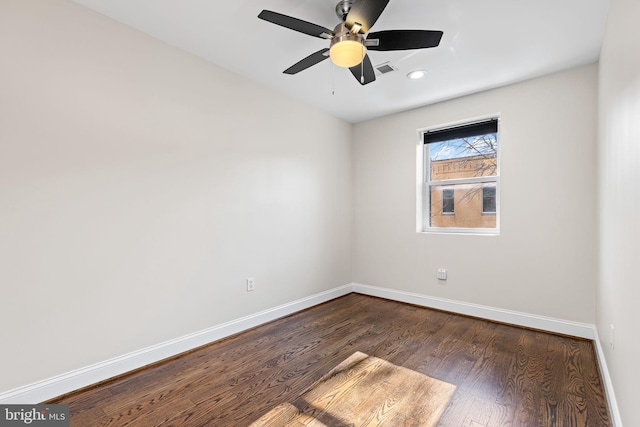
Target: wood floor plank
(504,375)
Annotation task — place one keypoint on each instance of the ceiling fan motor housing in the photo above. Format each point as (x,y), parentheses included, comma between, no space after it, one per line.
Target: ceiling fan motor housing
(342,8)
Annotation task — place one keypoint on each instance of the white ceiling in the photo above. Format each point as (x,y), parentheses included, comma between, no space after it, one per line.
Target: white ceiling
(486,44)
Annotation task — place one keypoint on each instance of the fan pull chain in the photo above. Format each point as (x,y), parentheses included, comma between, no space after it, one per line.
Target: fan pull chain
(333,79)
(362,67)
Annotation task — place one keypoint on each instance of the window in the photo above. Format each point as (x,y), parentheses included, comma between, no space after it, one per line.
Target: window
(489,199)
(459,172)
(447,201)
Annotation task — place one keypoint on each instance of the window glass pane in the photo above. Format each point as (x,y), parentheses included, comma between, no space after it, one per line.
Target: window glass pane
(468,200)
(464,158)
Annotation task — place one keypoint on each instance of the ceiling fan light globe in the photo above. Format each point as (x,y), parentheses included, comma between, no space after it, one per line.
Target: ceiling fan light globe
(347,53)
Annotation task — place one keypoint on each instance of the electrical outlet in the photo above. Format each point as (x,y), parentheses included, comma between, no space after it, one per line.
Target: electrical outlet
(442,274)
(250,284)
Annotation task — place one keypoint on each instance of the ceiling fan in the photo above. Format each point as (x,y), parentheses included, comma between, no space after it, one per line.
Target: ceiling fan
(351,39)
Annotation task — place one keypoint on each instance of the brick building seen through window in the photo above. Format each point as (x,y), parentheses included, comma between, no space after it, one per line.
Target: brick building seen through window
(463,205)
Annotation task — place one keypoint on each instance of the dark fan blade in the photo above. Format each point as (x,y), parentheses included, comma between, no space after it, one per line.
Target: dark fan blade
(296,24)
(365,13)
(404,39)
(307,62)
(367,72)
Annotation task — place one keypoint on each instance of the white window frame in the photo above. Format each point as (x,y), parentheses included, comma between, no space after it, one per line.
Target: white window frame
(423,182)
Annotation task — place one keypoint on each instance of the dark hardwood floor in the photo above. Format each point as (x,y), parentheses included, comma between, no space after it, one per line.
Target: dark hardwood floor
(505,375)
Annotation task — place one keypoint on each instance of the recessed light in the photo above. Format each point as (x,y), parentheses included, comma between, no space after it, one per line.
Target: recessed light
(417,74)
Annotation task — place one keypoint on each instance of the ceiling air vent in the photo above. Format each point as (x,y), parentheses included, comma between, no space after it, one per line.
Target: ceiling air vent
(385,68)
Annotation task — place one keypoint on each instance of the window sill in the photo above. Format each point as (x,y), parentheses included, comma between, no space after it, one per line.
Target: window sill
(462,231)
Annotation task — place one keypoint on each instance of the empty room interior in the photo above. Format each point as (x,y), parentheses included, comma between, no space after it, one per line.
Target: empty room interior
(190,236)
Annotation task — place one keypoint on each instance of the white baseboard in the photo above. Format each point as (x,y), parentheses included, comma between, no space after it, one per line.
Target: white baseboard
(606,379)
(65,383)
(582,330)
(74,380)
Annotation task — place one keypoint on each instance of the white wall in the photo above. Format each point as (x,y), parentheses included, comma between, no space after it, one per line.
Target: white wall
(618,292)
(140,186)
(544,261)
